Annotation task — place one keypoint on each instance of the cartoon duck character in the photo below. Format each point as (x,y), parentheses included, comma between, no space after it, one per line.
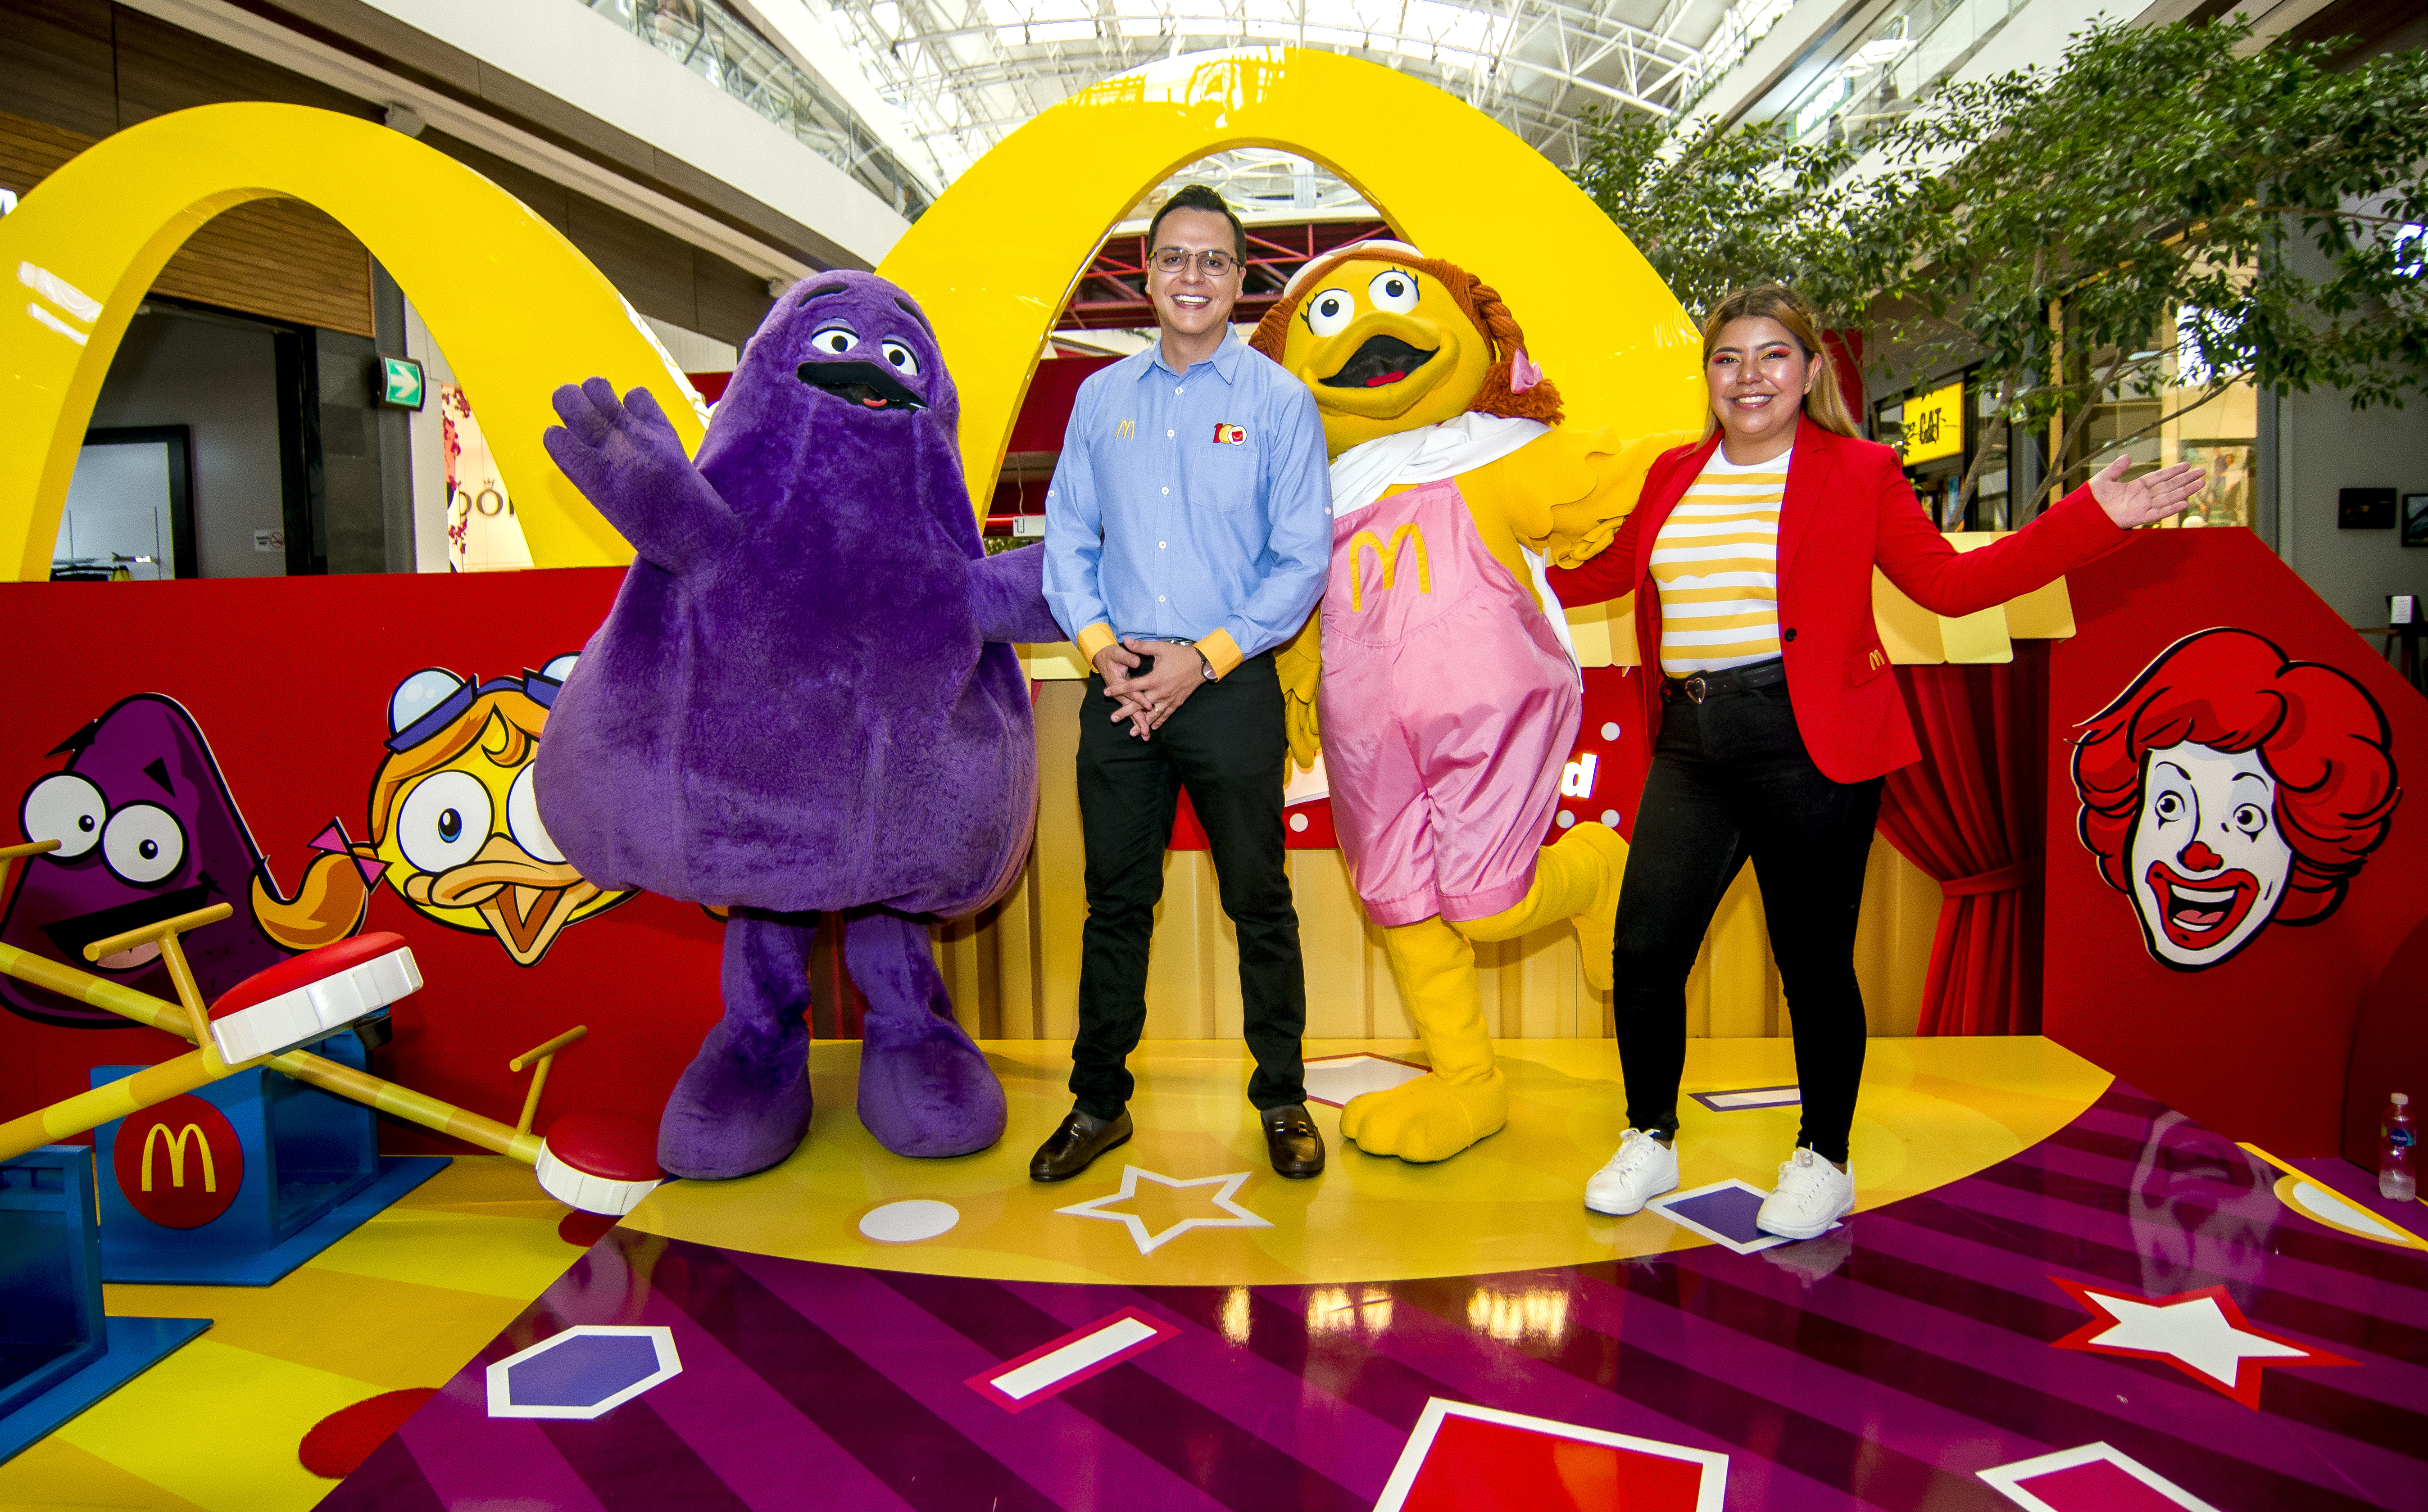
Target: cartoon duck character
(1436,678)
(803,702)
(148,830)
(453,820)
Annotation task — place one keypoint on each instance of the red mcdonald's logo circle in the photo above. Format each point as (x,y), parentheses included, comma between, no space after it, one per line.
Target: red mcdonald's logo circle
(178,1163)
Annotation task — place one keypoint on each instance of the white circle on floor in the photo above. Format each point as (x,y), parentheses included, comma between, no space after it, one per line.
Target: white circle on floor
(902,1222)
(1610,731)
(1610,817)
(1298,822)
(1567,819)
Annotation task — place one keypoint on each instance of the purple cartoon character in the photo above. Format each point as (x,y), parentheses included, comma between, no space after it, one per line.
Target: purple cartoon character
(805,701)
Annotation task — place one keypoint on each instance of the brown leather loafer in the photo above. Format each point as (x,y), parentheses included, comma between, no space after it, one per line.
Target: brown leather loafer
(1293,1140)
(1071,1148)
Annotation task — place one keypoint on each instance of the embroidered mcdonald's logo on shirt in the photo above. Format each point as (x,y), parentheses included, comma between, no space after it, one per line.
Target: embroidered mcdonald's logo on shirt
(1387,557)
(1126,429)
(1229,435)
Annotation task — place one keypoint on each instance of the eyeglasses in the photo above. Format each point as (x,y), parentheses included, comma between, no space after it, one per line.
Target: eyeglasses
(1215,264)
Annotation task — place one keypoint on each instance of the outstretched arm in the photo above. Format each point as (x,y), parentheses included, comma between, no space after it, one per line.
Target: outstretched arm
(2086,523)
(629,462)
(1008,595)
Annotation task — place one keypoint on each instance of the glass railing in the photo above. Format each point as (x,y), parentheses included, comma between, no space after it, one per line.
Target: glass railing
(1908,53)
(727,51)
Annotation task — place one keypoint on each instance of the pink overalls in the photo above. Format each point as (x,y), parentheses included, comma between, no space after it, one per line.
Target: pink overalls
(1447,707)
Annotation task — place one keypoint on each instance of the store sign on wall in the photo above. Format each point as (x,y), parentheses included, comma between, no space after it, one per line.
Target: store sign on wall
(1934,425)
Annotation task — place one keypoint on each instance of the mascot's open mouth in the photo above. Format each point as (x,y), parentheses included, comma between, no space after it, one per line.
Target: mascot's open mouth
(2197,913)
(1381,360)
(72,934)
(867,385)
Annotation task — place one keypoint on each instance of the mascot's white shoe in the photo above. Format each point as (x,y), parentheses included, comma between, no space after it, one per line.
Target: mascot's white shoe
(1812,1195)
(1643,1169)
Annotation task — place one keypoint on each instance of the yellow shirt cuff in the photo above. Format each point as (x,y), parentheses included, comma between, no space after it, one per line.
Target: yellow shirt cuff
(1092,640)
(1221,653)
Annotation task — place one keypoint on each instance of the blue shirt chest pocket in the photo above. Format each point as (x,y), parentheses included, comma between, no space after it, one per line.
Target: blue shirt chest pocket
(1227,472)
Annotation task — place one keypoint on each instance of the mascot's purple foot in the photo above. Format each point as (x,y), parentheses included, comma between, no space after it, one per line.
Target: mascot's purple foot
(733,1114)
(925,1088)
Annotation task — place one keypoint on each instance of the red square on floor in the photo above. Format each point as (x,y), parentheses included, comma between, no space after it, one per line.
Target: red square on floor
(2100,1486)
(1479,1466)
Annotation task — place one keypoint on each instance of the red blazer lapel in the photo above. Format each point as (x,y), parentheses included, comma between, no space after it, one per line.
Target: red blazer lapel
(1808,485)
(1663,497)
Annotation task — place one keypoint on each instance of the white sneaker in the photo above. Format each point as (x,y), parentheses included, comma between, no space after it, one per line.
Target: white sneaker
(1643,1169)
(1811,1196)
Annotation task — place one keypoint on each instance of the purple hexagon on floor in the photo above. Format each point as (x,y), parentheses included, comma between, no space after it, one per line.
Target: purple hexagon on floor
(582,1372)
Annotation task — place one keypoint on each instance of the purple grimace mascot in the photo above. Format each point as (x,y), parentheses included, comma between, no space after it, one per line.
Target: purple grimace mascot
(804,701)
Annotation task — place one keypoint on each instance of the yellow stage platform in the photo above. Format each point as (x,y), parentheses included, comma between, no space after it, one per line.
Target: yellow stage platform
(411,1295)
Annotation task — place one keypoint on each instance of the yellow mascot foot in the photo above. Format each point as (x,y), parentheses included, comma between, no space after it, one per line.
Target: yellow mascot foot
(1427,1119)
(1598,926)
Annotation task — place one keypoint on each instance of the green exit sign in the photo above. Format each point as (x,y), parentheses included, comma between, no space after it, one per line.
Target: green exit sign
(401,383)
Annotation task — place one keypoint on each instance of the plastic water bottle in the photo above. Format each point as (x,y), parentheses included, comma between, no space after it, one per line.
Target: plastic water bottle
(2396,1179)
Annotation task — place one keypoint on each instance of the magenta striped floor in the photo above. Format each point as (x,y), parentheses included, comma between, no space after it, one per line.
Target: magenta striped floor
(1881,1366)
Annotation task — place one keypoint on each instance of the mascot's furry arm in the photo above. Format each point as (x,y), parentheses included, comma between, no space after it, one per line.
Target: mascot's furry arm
(628,461)
(1300,664)
(1008,596)
(1567,493)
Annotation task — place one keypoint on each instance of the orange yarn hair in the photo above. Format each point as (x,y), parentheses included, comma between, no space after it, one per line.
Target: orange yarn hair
(1477,300)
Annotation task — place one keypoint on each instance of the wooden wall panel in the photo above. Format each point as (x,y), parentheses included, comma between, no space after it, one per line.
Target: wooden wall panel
(56,64)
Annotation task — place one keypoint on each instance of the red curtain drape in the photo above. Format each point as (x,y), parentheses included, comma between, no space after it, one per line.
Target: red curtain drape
(1970,815)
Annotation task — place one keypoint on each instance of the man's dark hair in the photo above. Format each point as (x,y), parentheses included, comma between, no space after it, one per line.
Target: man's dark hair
(1198,197)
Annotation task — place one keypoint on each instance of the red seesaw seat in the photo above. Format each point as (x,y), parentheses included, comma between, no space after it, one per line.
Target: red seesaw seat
(601,1163)
(314,994)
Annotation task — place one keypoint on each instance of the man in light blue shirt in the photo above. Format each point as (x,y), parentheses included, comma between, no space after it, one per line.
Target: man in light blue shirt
(1188,533)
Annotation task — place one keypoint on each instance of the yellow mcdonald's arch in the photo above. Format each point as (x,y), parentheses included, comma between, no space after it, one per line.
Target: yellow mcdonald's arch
(519,310)
(994,258)
(177,1156)
(1387,557)
(516,308)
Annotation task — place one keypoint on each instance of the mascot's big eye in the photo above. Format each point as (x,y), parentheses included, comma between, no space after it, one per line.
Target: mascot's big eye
(2169,807)
(834,340)
(67,808)
(445,820)
(1394,291)
(2250,819)
(1328,313)
(143,843)
(522,820)
(902,358)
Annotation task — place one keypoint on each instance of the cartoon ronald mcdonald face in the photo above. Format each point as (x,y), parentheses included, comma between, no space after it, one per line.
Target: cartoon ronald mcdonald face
(1387,347)
(2209,862)
(453,817)
(2228,787)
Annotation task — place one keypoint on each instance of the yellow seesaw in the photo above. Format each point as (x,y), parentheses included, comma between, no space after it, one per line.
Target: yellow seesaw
(578,1178)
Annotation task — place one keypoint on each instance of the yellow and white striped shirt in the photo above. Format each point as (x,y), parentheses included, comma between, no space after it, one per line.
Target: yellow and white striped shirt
(1716,564)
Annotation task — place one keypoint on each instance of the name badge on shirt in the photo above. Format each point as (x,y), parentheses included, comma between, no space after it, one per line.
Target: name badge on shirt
(1230,435)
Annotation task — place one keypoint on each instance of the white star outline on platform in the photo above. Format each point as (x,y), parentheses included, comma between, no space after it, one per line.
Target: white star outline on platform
(1148,1244)
(2202,1333)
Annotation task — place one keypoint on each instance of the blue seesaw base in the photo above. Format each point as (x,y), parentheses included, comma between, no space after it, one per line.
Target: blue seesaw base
(398,1174)
(136,1344)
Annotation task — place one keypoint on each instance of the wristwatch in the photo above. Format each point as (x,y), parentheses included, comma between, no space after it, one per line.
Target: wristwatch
(1204,663)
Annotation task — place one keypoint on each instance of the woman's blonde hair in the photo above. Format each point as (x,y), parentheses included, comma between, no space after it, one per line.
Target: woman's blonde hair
(1825,405)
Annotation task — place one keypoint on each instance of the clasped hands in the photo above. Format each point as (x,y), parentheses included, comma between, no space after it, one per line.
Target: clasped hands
(1146,699)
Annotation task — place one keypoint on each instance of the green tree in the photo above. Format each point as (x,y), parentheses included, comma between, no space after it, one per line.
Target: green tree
(2194,211)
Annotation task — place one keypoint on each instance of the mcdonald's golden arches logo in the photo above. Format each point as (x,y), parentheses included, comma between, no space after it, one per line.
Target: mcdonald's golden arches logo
(1387,557)
(1126,429)
(178,1164)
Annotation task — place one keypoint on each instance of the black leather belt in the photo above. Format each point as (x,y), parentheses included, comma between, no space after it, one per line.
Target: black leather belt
(1702,685)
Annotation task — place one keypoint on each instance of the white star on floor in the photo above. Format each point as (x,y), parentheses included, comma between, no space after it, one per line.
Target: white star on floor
(2196,1332)
(1148,1244)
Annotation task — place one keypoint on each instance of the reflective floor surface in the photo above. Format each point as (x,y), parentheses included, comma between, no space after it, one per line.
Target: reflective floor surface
(2121,1311)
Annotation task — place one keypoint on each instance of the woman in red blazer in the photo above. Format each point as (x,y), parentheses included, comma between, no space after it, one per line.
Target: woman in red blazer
(1774,714)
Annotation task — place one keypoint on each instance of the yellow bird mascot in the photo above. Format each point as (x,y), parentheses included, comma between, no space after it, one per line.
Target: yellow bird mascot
(1436,678)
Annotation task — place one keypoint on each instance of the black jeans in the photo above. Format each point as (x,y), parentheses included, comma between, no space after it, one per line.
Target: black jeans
(1226,745)
(1732,782)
